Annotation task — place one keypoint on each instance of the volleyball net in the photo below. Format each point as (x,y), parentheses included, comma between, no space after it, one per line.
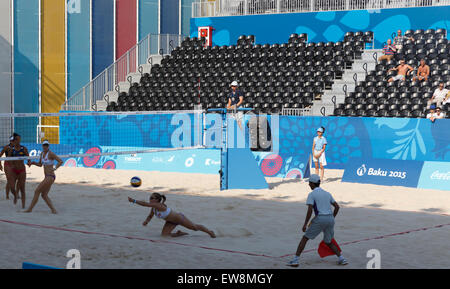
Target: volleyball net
(92,135)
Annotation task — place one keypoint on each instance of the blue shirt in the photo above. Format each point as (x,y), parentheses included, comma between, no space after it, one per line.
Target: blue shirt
(234,96)
(319,142)
(321,201)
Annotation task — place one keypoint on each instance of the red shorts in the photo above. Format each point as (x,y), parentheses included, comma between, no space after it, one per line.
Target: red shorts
(18,171)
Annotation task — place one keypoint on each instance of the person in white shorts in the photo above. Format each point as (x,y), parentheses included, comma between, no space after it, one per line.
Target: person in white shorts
(439,96)
(402,69)
(318,151)
(320,201)
(235,100)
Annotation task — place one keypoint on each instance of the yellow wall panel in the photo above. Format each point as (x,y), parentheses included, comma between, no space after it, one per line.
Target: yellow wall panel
(52,59)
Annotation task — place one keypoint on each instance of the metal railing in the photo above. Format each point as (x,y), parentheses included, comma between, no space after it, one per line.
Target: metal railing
(204,8)
(296,111)
(106,81)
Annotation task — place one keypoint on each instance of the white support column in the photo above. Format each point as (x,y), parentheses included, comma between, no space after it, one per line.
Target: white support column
(137,52)
(159,18)
(159,25)
(180,9)
(12,60)
(65,49)
(114,30)
(40,62)
(90,40)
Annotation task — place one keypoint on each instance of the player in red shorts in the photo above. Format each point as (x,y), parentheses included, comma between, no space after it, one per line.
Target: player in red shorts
(17,169)
(6,168)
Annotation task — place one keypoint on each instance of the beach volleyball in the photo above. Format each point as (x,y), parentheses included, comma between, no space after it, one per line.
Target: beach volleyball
(135,182)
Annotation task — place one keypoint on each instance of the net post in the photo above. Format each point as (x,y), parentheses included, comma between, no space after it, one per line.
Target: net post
(224,154)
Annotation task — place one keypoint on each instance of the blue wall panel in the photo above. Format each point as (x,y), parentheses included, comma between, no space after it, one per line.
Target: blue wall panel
(102,35)
(26,56)
(148,17)
(130,131)
(78,47)
(348,137)
(358,137)
(26,65)
(186,13)
(170,16)
(323,26)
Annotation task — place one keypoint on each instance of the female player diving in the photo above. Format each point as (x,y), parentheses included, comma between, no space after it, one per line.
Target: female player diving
(171,217)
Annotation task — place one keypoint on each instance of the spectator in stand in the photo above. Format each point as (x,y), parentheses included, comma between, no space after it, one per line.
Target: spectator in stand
(435,113)
(422,72)
(400,39)
(402,71)
(439,114)
(430,114)
(439,95)
(388,51)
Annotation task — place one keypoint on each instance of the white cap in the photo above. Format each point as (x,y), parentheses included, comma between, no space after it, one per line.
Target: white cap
(320,129)
(314,179)
(234,83)
(11,138)
(45,142)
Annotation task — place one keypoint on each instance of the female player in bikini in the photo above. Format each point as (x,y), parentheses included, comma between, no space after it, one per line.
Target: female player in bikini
(171,217)
(47,160)
(17,169)
(6,150)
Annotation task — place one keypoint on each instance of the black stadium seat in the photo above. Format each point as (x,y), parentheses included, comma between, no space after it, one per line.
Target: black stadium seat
(291,73)
(403,98)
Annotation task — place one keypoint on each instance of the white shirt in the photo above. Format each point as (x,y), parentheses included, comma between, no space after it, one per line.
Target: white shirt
(438,93)
(321,201)
(435,115)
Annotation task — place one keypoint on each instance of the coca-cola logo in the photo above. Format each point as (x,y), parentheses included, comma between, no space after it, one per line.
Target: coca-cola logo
(437,175)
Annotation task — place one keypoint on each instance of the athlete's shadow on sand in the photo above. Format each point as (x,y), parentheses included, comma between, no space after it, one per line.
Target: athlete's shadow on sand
(288,181)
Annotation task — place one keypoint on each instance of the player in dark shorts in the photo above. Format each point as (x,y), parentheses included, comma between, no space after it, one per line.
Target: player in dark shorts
(17,169)
(6,149)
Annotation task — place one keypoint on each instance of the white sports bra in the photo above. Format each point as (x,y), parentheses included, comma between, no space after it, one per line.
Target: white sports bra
(46,161)
(162,215)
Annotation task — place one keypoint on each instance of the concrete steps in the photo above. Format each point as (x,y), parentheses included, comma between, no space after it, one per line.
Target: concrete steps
(125,85)
(357,72)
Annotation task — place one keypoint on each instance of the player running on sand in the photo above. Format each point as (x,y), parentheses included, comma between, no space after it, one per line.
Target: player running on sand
(171,217)
(320,201)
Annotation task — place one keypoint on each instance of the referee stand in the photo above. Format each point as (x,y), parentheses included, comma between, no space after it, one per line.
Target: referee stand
(238,169)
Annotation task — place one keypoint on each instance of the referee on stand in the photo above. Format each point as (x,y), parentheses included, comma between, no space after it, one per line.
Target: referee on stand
(235,100)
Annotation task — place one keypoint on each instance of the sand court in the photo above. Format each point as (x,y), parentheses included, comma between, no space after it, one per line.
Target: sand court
(254,228)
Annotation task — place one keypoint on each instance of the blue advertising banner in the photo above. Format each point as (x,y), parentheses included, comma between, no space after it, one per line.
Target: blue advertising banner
(435,175)
(204,161)
(322,26)
(383,172)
